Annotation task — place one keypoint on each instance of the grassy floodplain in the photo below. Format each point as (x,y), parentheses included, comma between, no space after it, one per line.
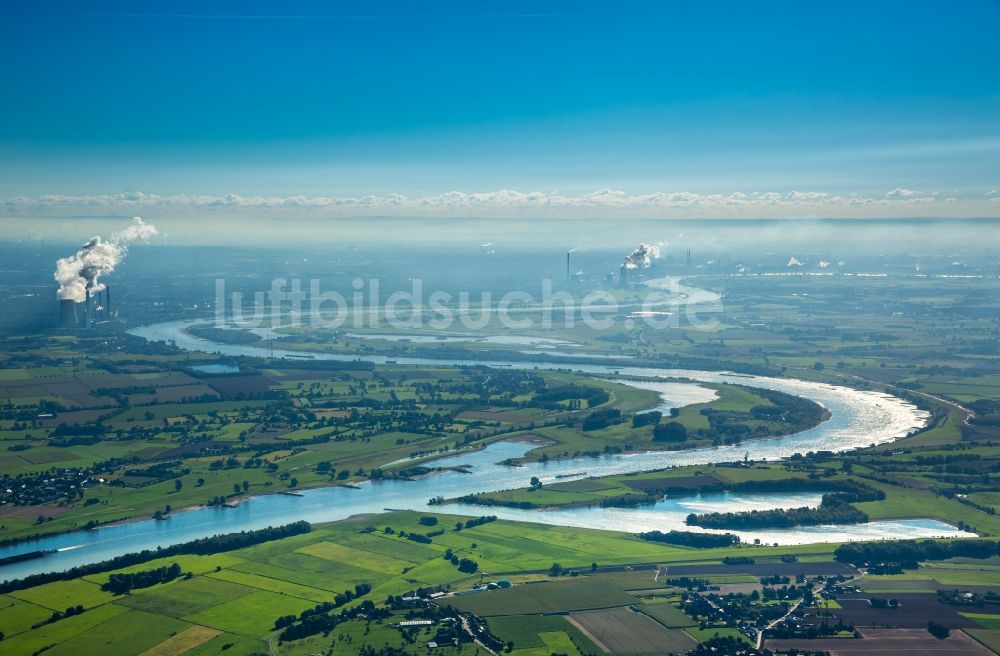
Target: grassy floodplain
(234,598)
(605,583)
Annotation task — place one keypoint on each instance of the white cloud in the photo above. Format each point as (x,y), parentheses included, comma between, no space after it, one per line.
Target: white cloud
(806,195)
(899,192)
(602,203)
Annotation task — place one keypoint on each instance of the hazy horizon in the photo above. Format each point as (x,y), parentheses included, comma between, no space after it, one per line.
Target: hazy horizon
(799,237)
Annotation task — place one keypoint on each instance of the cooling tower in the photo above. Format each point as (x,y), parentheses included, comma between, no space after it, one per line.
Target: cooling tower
(67,314)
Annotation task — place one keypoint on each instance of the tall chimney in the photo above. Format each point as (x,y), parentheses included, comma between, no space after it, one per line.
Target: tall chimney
(107,301)
(689,258)
(67,314)
(623,276)
(569,275)
(88,308)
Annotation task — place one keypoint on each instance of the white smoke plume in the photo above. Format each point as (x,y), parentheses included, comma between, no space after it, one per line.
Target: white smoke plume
(80,274)
(642,256)
(823,264)
(794,261)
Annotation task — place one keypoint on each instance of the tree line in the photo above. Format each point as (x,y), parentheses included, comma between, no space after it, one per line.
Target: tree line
(692,539)
(908,554)
(830,511)
(834,508)
(201,546)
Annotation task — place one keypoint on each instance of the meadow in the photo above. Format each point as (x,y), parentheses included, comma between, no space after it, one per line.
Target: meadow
(610,594)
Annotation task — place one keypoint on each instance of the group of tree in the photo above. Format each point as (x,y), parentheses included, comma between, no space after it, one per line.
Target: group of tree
(629,501)
(594,396)
(692,539)
(360,590)
(475,521)
(120,584)
(466,565)
(670,432)
(738,560)
(317,620)
(939,631)
(484,500)
(56,616)
(602,419)
(416,537)
(646,418)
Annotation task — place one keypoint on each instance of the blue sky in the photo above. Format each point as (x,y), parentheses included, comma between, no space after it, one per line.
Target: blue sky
(347,100)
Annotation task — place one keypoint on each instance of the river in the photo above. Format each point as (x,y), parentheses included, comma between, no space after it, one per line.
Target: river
(858,419)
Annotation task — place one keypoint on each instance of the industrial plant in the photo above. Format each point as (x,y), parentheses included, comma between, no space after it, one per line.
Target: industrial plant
(95,309)
(79,276)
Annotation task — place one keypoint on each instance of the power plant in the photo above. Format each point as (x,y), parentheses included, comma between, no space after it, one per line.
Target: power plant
(79,275)
(96,309)
(640,258)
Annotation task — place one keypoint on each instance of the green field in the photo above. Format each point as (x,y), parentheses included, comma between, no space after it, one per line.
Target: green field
(540,635)
(234,598)
(572,594)
(666,614)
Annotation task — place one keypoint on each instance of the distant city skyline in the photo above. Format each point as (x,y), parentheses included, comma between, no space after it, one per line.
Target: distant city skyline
(501,109)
